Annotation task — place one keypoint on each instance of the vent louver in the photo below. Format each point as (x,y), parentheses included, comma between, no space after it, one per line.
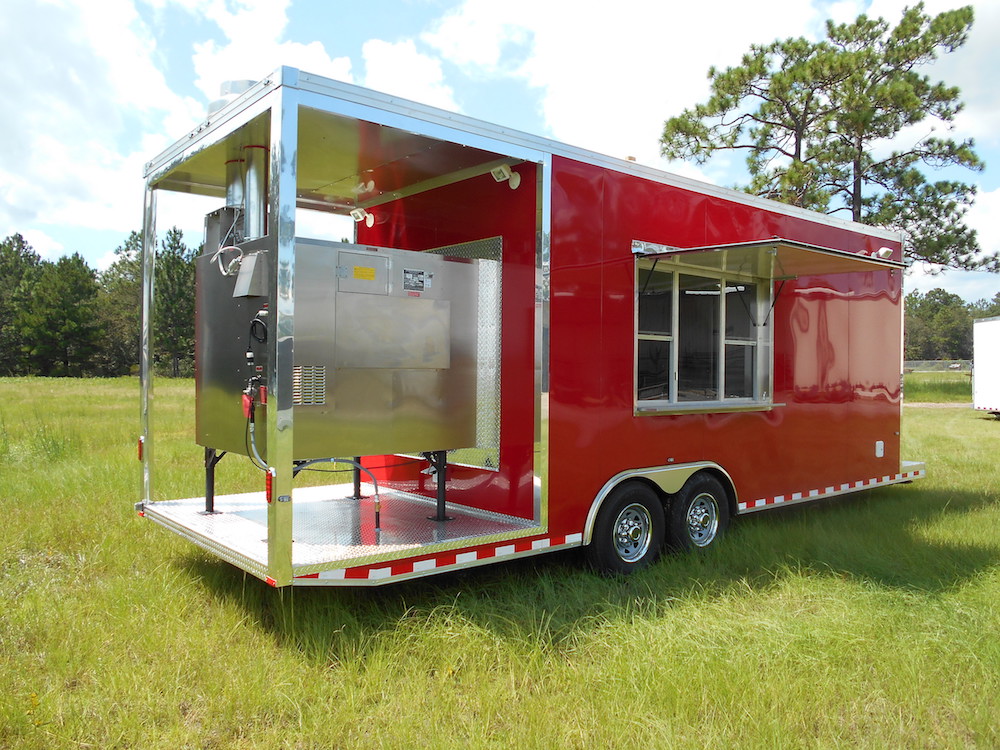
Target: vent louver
(308,385)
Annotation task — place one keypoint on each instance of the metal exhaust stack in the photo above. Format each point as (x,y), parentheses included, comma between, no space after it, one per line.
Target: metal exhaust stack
(255,191)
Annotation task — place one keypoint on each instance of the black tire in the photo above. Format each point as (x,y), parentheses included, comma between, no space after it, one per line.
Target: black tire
(698,515)
(628,532)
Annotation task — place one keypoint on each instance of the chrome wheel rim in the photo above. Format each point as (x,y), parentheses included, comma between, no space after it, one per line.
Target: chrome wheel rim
(703,520)
(633,532)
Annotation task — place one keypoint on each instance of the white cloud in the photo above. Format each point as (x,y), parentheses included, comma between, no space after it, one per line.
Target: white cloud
(105,261)
(254,46)
(84,85)
(92,103)
(845,11)
(399,69)
(969,285)
(46,246)
(609,79)
(480,34)
(982,217)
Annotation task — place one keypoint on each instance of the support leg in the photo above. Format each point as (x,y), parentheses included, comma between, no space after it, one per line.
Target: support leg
(357,478)
(211,459)
(439,460)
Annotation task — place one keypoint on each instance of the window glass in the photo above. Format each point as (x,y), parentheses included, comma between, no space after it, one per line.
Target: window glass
(654,369)
(655,301)
(741,303)
(740,370)
(698,338)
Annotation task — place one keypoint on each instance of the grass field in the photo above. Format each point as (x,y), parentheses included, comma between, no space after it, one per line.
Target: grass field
(938,387)
(871,621)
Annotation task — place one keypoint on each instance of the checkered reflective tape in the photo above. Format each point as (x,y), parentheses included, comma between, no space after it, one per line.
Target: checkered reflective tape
(445,560)
(796,497)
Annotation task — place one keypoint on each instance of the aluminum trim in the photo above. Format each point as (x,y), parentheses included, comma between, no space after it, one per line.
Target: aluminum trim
(908,474)
(281,343)
(146,345)
(651,250)
(708,407)
(542,342)
(254,567)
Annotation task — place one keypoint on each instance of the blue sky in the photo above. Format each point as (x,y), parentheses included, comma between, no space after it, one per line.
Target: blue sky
(92,90)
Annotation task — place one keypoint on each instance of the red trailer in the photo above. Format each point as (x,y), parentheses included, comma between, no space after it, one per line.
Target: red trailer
(525,347)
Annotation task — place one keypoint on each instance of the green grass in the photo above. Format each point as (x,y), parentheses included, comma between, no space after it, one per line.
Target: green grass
(938,387)
(869,621)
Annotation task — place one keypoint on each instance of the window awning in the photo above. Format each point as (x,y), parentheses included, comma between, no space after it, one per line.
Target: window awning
(775,259)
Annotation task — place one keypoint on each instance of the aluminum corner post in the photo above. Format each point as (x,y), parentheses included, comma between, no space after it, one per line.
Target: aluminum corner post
(280,456)
(542,332)
(146,344)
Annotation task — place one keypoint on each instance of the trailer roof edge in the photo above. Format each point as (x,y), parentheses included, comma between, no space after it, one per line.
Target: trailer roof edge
(314,83)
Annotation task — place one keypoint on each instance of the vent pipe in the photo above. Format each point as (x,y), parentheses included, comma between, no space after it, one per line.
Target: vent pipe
(229,91)
(255,165)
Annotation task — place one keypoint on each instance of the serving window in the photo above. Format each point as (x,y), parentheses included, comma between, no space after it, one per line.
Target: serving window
(702,339)
(703,317)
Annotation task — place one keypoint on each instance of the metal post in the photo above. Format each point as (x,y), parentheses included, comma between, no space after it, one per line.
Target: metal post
(284,126)
(146,352)
(357,478)
(439,460)
(211,459)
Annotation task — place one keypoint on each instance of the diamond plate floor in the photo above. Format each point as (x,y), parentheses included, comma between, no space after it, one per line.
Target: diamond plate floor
(329,526)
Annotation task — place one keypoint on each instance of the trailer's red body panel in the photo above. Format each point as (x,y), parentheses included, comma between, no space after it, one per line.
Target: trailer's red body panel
(834,396)
(463,212)
(835,390)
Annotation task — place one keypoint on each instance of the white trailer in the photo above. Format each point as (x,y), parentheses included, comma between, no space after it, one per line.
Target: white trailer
(986,365)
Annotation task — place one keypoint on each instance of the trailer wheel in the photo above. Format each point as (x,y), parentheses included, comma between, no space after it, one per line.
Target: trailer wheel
(629,529)
(699,514)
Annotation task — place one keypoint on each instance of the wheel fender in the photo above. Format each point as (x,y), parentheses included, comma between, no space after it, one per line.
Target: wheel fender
(669,479)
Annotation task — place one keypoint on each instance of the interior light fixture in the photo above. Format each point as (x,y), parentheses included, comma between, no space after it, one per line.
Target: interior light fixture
(505,173)
(359,214)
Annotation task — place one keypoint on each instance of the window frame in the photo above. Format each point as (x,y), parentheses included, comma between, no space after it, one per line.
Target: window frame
(762,342)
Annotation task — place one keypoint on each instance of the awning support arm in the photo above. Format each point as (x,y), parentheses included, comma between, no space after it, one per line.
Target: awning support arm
(774,301)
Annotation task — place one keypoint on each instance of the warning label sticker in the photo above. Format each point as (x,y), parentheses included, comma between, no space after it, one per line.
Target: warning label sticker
(414,280)
(364,273)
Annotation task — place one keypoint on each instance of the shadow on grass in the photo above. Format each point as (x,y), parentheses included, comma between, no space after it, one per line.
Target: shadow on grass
(877,538)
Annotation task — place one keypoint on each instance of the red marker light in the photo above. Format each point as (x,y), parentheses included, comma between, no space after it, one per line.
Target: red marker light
(142,445)
(269,484)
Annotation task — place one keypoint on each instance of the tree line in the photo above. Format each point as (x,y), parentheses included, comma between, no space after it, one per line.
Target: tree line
(939,324)
(64,318)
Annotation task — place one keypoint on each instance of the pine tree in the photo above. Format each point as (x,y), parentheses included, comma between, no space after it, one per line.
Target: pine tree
(816,118)
(173,314)
(58,326)
(19,266)
(119,309)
